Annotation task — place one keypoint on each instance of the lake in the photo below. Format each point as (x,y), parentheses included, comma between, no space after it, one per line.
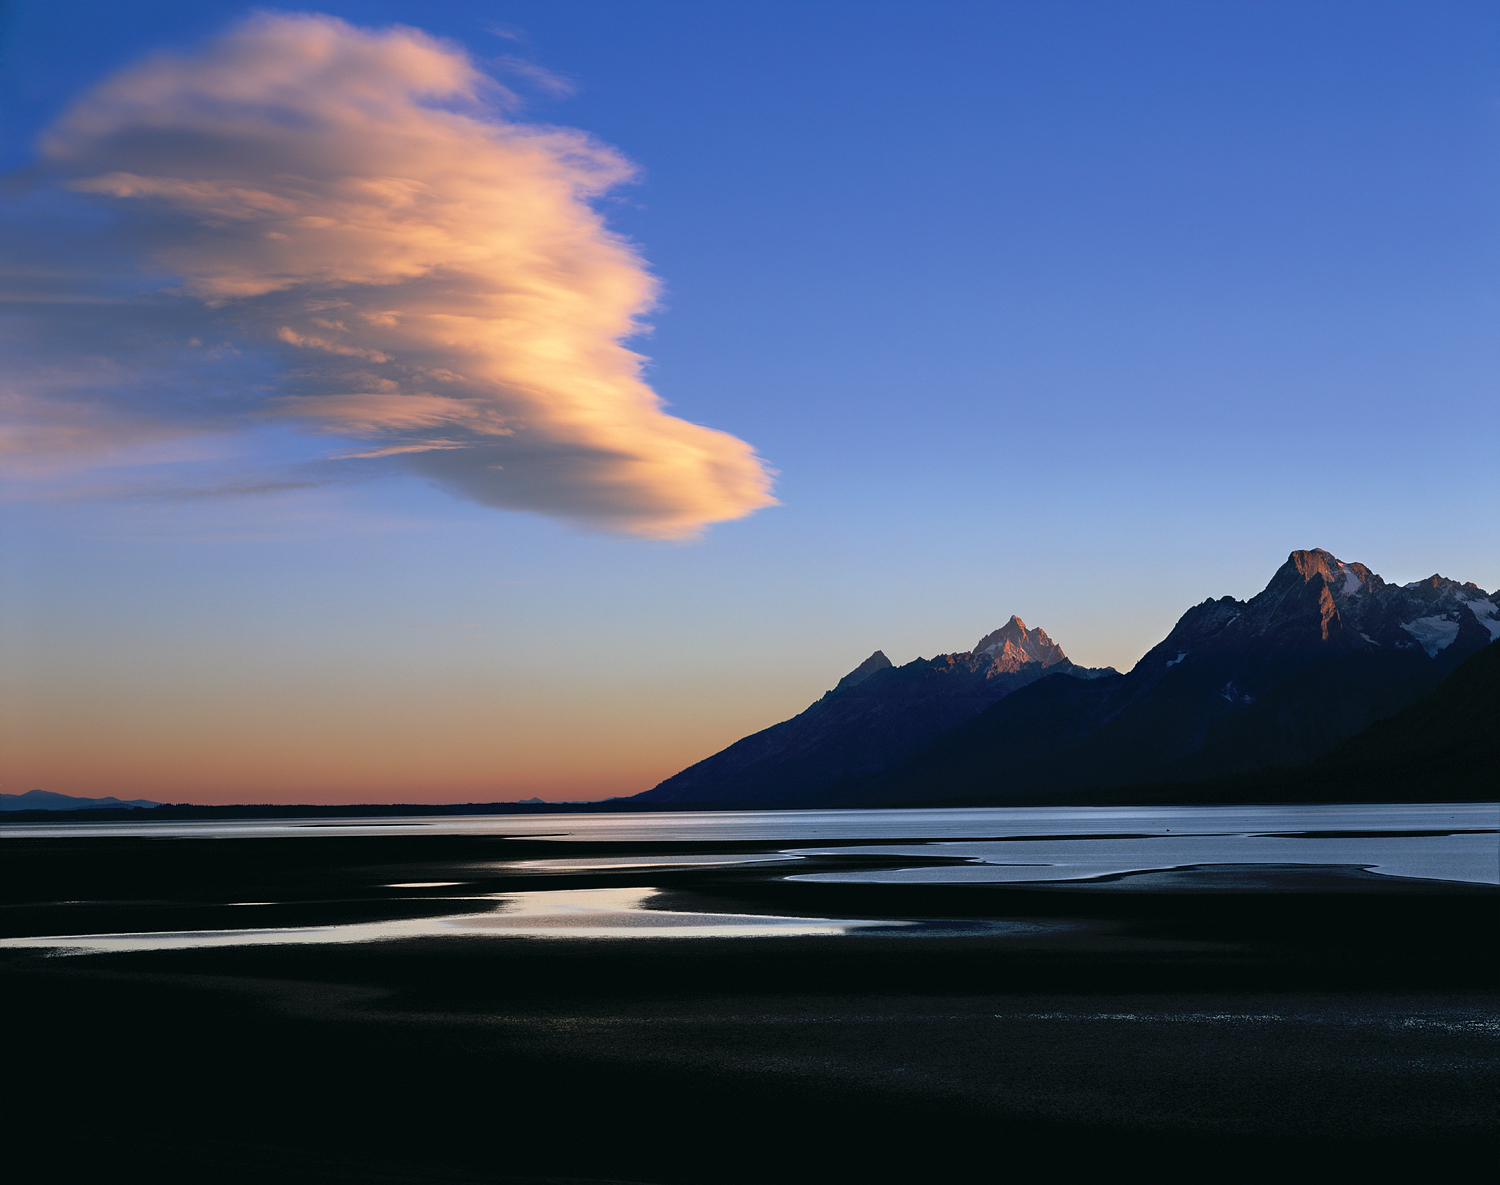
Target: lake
(618,871)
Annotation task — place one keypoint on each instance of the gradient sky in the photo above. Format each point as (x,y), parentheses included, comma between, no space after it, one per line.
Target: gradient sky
(1080,311)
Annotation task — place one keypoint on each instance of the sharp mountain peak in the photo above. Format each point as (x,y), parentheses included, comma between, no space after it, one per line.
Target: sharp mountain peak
(1324,649)
(876,662)
(1013,644)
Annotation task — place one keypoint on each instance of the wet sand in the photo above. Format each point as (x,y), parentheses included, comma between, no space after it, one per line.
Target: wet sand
(1231,1024)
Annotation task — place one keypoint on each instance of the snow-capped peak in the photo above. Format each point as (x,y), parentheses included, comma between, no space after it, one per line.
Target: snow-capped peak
(1013,645)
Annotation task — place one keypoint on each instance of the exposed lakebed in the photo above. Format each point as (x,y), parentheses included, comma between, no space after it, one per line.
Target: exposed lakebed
(736,874)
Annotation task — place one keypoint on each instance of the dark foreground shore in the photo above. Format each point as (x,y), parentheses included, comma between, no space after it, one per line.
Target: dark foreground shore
(1341,1026)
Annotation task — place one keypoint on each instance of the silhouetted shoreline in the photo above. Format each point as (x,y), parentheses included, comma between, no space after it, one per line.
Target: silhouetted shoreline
(1234,792)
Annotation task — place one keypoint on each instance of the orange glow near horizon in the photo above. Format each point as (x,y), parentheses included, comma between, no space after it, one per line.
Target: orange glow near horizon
(344,740)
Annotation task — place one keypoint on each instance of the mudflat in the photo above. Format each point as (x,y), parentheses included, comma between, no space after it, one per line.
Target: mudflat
(1220,1023)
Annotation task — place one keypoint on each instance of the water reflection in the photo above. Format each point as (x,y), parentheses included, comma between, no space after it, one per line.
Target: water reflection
(573,913)
(614,863)
(1471,856)
(1167,849)
(825,825)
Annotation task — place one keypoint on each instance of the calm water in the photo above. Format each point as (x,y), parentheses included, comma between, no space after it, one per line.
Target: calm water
(802,827)
(1462,855)
(1070,845)
(567,913)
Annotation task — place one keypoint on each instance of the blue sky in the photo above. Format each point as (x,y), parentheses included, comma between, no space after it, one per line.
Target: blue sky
(1084,312)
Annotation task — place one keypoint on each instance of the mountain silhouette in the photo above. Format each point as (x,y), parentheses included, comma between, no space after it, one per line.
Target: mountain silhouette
(1324,652)
(876,715)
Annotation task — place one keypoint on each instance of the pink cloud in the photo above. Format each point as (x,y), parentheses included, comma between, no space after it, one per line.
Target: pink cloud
(342,194)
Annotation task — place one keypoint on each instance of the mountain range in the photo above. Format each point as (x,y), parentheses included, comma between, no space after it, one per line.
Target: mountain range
(1326,651)
(46,800)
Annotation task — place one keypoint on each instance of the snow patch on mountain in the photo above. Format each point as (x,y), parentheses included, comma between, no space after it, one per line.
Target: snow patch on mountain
(1434,633)
(1488,614)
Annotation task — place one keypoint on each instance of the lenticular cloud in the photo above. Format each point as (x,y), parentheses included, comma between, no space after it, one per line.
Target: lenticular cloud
(430,277)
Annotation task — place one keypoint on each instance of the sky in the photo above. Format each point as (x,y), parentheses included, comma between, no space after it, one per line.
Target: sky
(480,401)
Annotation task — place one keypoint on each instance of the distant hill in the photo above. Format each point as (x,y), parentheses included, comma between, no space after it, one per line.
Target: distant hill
(1238,689)
(46,800)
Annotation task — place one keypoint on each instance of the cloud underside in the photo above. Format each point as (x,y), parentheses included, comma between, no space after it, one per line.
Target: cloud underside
(342,234)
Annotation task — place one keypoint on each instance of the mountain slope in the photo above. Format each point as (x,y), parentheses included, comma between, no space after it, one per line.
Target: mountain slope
(1327,649)
(1443,748)
(877,715)
(1450,737)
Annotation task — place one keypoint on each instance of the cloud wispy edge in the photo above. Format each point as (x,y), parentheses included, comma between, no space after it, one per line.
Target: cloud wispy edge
(430,276)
